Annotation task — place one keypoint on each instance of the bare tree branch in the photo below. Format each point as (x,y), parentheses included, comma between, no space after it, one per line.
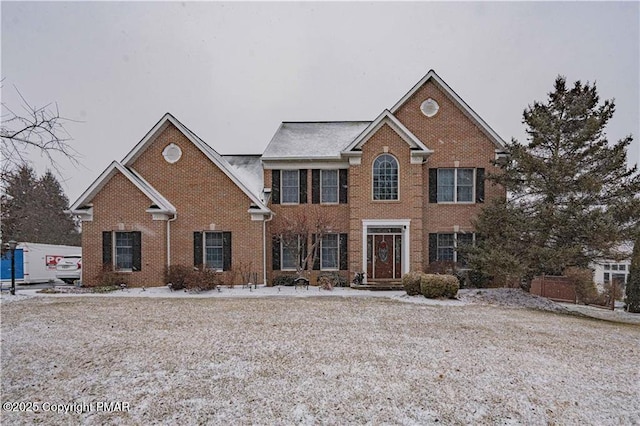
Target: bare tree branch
(300,226)
(38,129)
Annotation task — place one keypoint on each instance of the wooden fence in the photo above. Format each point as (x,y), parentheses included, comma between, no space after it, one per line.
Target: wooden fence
(559,289)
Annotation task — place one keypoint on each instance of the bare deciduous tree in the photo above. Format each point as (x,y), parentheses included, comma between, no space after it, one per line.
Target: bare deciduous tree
(303,230)
(34,129)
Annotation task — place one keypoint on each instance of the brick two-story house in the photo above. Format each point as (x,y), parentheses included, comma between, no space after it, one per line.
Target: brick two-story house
(398,193)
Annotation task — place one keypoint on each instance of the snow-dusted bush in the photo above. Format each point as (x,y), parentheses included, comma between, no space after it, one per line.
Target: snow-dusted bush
(432,286)
(286,280)
(328,280)
(177,276)
(185,277)
(411,282)
(108,277)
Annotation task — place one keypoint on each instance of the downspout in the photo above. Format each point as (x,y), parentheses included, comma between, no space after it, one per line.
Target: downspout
(175,216)
(264,248)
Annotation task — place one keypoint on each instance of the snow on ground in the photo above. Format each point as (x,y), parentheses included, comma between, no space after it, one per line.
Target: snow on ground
(361,357)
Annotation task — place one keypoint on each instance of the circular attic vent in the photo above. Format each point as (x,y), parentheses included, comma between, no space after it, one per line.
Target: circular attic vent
(172,153)
(429,107)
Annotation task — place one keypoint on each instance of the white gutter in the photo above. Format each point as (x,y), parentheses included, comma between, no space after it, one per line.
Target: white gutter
(175,216)
(264,248)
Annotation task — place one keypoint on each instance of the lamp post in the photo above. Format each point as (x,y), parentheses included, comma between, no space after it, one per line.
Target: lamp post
(12,248)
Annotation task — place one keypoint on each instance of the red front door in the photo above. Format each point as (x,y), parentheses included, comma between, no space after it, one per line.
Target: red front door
(384,256)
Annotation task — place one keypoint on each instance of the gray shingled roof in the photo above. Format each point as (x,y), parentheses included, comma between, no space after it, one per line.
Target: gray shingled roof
(248,168)
(312,140)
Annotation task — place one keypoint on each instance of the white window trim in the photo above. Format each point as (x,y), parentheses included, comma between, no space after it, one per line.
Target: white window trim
(337,187)
(388,223)
(204,250)
(337,268)
(282,267)
(289,203)
(455,186)
(115,252)
(455,244)
(373,164)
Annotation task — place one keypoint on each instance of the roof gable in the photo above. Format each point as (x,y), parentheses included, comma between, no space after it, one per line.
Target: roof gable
(386,117)
(209,152)
(163,205)
(466,109)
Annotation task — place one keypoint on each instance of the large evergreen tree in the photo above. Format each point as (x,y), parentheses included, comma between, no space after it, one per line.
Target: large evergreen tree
(632,290)
(572,200)
(33,209)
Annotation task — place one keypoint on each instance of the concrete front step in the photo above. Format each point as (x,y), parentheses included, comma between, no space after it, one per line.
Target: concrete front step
(380,286)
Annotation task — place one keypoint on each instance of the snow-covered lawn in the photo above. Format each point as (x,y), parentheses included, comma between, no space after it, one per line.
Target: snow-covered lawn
(360,358)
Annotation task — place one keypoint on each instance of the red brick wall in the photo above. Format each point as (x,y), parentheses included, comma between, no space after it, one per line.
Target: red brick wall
(455,139)
(336,215)
(409,205)
(205,198)
(109,215)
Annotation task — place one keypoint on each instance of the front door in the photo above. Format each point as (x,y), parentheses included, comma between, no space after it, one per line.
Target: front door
(384,257)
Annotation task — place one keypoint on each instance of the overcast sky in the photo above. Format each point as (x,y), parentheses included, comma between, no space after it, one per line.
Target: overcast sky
(232,72)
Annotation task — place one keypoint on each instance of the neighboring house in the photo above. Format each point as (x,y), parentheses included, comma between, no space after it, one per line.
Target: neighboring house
(399,192)
(608,271)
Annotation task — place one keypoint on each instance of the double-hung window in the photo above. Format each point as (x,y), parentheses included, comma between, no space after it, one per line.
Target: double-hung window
(213,250)
(124,250)
(290,187)
(447,247)
(290,255)
(455,185)
(329,252)
(329,186)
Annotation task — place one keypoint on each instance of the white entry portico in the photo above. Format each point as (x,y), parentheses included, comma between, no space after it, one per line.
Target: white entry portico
(385,248)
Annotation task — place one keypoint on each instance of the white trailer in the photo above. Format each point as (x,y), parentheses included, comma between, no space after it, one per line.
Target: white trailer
(35,263)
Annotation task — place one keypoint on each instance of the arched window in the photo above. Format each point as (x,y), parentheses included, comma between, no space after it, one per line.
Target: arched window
(385,178)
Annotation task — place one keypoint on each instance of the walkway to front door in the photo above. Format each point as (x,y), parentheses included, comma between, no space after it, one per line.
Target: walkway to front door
(384,253)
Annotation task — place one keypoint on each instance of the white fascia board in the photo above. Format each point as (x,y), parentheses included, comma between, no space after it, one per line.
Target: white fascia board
(386,117)
(497,140)
(300,164)
(106,175)
(140,146)
(95,186)
(161,201)
(301,158)
(206,150)
(219,161)
(85,215)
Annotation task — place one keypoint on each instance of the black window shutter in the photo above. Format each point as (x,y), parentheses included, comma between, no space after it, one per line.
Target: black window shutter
(433,247)
(137,250)
(303,250)
(344,264)
(226,251)
(275,253)
(303,186)
(316,261)
(480,185)
(197,249)
(107,250)
(315,186)
(343,185)
(275,186)
(433,185)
